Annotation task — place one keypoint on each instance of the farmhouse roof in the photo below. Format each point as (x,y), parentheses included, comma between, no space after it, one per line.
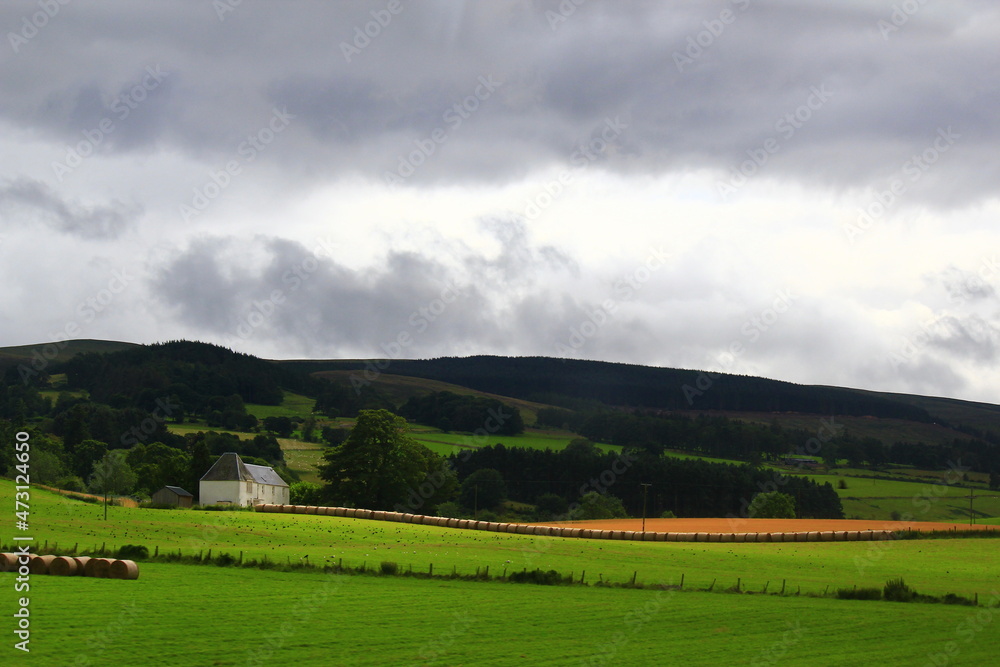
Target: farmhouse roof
(178,490)
(265,475)
(230,468)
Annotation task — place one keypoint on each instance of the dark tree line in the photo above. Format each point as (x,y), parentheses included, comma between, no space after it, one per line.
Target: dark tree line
(642,386)
(451,412)
(689,488)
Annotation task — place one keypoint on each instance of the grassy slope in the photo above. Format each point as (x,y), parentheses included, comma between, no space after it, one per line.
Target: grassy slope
(931,566)
(166,617)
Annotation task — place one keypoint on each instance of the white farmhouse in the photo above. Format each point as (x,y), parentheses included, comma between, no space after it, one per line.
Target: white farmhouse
(231,481)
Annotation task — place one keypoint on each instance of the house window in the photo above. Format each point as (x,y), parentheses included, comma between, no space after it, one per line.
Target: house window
(249,487)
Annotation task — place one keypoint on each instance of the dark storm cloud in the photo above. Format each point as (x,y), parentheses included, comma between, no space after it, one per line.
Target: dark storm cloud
(691,107)
(24,201)
(275,289)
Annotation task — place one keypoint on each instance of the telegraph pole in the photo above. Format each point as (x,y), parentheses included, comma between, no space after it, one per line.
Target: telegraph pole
(645,488)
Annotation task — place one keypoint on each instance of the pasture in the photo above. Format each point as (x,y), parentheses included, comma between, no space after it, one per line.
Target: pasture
(205,615)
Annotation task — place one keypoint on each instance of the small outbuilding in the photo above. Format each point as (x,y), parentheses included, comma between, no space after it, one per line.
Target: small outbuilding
(231,481)
(172,495)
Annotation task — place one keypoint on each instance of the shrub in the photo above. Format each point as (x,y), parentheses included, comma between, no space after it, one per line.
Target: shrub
(132,552)
(547,578)
(896,516)
(389,567)
(842,484)
(859,594)
(668,515)
(450,510)
(224,560)
(70,484)
(897,591)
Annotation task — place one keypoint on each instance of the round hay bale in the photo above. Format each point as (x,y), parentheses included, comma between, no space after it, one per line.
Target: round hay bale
(539,530)
(522,529)
(394,516)
(585,533)
(339,511)
(701,537)
(406,517)
(463,523)
(775,537)
(572,532)
(866,535)
(727,537)
(629,535)
(299,509)
(63,566)
(40,564)
(509,527)
(715,537)
(661,537)
(427,520)
(739,537)
(312,509)
(813,536)
(686,537)
(851,535)
(452,522)
(826,536)
(750,537)
(81,563)
(99,568)
(649,536)
(8,562)
(363,514)
(124,569)
(377,515)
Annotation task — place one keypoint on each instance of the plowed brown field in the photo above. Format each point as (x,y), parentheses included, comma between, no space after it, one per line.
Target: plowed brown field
(761,525)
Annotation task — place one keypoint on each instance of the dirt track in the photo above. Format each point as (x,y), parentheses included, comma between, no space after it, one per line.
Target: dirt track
(761,525)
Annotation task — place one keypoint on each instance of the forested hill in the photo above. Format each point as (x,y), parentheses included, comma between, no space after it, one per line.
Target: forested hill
(567,382)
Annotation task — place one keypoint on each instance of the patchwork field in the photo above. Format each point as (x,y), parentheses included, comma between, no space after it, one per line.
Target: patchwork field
(167,617)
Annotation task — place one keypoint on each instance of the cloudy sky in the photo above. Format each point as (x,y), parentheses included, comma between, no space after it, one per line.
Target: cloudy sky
(804,191)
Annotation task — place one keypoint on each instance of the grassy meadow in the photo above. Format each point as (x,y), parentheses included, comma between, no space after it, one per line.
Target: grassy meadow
(254,617)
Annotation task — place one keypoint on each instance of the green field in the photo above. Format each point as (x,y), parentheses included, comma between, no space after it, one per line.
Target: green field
(930,566)
(204,615)
(293,405)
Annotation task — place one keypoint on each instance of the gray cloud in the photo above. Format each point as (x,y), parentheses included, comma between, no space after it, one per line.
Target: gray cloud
(32,202)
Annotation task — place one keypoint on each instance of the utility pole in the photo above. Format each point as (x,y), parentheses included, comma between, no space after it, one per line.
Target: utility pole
(645,488)
(475,503)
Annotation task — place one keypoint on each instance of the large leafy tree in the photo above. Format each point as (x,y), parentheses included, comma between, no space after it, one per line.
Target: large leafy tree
(112,474)
(772,505)
(378,466)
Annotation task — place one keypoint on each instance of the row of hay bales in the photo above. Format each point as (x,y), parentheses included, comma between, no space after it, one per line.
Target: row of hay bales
(72,566)
(566,531)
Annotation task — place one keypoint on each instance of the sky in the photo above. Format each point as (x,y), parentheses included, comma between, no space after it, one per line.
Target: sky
(796,190)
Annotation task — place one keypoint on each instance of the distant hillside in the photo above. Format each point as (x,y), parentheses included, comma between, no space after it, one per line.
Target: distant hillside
(887,416)
(58,352)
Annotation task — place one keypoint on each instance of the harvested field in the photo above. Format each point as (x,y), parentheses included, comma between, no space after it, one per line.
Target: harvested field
(762,525)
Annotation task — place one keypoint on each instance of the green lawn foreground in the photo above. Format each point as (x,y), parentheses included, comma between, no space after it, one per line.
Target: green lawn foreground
(205,615)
